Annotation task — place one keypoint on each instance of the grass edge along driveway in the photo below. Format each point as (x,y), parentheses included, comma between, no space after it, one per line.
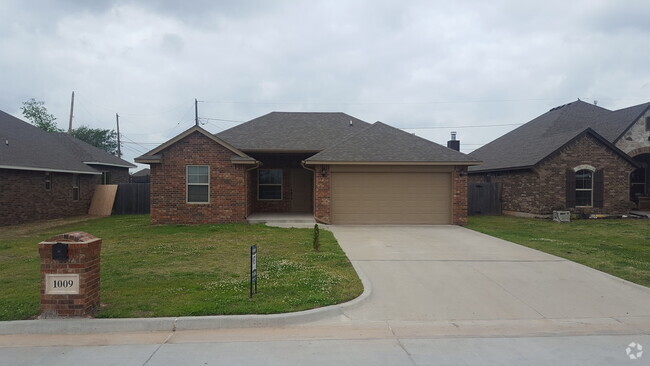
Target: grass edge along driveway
(620,247)
(175,270)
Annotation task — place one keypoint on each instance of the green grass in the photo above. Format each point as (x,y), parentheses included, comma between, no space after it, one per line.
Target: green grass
(152,271)
(620,247)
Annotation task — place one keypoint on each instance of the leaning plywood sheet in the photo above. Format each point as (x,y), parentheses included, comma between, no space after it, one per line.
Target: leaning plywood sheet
(103,199)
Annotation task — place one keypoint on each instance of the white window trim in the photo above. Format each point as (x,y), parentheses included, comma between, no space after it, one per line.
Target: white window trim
(187,185)
(591,190)
(584,167)
(48,179)
(76,184)
(281,186)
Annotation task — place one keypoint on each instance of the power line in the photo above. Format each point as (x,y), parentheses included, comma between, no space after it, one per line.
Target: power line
(397,103)
(467,126)
(223,120)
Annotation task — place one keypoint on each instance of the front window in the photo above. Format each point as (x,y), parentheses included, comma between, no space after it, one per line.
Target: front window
(269,184)
(198,184)
(637,180)
(106,177)
(584,187)
(76,182)
(48,181)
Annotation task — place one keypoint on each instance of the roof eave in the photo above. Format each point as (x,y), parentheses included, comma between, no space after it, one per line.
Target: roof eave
(38,169)
(501,169)
(326,162)
(110,164)
(148,160)
(281,151)
(244,162)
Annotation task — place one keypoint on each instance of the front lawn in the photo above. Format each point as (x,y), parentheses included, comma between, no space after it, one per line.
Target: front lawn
(152,271)
(620,247)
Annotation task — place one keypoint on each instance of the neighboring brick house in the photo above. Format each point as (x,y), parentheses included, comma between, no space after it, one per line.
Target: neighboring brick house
(49,175)
(334,166)
(577,157)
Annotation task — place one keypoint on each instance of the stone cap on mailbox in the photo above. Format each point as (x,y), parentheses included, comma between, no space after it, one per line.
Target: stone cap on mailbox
(72,237)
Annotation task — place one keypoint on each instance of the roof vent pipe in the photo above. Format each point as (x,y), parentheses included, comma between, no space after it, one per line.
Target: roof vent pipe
(350,123)
(453,143)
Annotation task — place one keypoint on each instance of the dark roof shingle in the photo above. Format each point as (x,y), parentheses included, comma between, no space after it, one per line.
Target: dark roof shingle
(383,143)
(528,144)
(292,131)
(27,147)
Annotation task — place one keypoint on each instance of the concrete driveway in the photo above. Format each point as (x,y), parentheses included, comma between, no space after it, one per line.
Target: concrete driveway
(450,273)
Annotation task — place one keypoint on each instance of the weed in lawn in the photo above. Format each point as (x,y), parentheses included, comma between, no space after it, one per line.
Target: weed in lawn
(186,270)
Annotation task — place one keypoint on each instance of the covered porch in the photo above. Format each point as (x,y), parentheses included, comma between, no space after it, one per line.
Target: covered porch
(280,185)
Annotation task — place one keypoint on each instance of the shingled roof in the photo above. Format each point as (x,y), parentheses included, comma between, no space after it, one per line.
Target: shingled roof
(381,143)
(528,144)
(292,131)
(26,147)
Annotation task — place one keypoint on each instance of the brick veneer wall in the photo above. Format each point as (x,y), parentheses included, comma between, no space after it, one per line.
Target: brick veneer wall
(519,189)
(118,175)
(83,259)
(168,184)
(459,196)
(281,205)
(23,197)
(543,189)
(322,194)
(585,150)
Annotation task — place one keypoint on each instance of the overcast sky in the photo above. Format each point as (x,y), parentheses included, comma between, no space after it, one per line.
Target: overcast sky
(431,65)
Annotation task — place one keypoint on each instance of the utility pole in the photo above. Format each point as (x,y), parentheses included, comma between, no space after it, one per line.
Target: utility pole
(196,112)
(71,111)
(119,145)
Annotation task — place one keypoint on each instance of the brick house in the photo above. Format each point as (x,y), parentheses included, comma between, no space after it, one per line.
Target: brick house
(49,175)
(336,167)
(577,157)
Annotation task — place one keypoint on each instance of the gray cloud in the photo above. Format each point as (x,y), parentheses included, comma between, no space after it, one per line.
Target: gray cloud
(415,64)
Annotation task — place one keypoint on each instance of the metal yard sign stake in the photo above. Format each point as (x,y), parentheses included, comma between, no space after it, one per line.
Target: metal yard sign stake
(253,271)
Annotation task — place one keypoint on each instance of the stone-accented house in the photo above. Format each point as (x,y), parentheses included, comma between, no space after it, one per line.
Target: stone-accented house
(334,166)
(50,175)
(578,157)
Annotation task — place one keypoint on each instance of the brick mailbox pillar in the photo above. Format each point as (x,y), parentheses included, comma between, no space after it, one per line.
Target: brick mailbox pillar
(70,275)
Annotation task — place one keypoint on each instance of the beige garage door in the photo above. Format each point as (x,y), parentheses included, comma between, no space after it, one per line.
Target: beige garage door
(391,198)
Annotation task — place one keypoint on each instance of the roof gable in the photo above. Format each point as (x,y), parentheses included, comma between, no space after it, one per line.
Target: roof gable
(154,156)
(292,131)
(528,144)
(381,143)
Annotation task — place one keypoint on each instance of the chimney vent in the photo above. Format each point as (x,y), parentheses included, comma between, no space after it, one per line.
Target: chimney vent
(453,143)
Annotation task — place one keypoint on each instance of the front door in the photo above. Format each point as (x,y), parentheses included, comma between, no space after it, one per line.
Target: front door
(301,190)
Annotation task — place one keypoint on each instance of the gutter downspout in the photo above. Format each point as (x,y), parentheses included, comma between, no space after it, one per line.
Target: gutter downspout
(302,163)
(257,165)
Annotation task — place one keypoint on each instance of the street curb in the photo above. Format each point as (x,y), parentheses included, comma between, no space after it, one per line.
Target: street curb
(127,325)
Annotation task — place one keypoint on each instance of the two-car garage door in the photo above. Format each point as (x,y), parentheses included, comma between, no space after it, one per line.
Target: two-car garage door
(391,195)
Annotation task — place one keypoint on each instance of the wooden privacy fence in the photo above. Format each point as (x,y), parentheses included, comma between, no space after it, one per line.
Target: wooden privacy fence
(484,199)
(132,198)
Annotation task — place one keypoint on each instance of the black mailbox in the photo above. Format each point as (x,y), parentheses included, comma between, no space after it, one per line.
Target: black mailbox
(60,252)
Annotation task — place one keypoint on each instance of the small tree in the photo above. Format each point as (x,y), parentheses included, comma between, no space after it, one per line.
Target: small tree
(103,139)
(316,243)
(35,111)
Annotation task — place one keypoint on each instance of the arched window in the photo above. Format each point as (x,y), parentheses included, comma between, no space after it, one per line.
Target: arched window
(584,187)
